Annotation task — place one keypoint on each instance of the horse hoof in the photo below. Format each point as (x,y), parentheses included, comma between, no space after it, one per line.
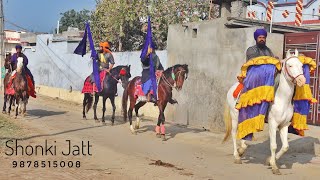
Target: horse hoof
(276,171)
(241,151)
(267,163)
(237,161)
(104,123)
(15,117)
(163,137)
(84,118)
(23,115)
(112,123)
(136,127)
(4,112)
(158,135)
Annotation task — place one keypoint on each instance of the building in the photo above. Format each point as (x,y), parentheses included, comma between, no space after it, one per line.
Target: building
(12,38)
(310,12)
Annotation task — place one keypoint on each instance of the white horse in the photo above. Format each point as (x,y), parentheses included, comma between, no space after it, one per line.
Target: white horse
(280,111)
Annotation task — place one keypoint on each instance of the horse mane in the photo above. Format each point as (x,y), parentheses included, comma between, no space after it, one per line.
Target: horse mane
(168,71)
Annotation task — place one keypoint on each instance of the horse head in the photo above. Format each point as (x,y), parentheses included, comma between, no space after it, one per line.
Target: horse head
(20,65)
(293,68)
(179,74)
(7,61)
(124,75)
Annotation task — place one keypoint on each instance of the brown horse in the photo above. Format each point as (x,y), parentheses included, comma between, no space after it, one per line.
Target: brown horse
(171,78)
(20,87)
(8,66)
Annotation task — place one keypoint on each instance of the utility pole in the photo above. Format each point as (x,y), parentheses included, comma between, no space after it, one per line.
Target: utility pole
(2,37)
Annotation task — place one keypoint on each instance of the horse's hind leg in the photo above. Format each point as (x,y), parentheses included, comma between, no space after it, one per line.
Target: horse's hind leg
(237,157)
(284,140)
(132,103)
(136,108)
(85,99)
(113,109)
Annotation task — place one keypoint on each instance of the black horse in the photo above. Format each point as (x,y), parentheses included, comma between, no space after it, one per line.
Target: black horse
(109,91)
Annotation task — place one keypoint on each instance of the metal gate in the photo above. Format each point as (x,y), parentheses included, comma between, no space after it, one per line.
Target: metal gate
(309,45)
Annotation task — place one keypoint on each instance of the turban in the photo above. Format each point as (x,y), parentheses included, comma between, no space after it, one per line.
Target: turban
(18,46)
(259,32)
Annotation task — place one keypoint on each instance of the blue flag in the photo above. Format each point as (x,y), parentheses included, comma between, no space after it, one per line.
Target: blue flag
(148,47)
(81,50)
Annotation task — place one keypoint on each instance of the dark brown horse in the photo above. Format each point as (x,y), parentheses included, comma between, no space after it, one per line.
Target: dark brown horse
(171,78)
(20,87)
(109,91)
(8,66)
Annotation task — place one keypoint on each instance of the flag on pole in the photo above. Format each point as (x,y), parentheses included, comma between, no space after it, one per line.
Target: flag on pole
(147,49)
(81,50)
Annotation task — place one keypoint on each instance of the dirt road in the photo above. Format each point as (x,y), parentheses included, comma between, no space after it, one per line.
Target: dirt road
(117,154)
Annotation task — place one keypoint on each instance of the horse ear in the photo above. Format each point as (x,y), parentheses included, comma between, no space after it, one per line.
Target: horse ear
(129,66)
(296,53)
(288,53)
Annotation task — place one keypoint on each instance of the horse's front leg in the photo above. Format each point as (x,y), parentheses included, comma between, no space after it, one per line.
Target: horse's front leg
(273,146)
(17,106)
(162,106)
(5,99)
(113,109)
(10,103)
(103,108)
(96,100)
(284,140)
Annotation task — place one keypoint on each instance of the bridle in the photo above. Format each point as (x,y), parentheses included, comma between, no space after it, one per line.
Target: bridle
(173,76)
(284,64)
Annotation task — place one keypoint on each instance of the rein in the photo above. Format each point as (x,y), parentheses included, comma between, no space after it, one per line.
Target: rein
(287,72)
(173,76)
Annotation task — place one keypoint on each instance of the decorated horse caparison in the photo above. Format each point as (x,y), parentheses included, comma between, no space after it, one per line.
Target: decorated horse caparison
(172,78)
(243,118)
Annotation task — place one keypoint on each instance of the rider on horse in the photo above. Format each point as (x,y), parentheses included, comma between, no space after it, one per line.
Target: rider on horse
(260,49)
(145,79)
(105,59)
(14,60)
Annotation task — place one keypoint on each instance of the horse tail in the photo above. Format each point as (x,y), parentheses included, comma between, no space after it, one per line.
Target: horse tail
(227,122)
(89,102)
(125,102)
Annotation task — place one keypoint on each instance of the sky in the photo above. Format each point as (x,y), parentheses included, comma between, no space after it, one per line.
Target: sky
(40,15)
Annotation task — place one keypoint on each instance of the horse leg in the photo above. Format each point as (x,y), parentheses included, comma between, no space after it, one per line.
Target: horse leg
(103,108)
(84,103)
(284,140)
(237,157)
(132,103)
(10,103)
(136,109)
(17,106)
(273,146)
(5,99)
(96,100)
(113,109)
(162,107)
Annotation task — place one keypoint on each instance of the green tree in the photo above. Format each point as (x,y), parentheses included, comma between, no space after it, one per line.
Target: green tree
(122,22)
(73,18)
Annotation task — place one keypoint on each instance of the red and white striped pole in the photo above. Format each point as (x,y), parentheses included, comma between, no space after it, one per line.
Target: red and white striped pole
(299,7)
(270,10)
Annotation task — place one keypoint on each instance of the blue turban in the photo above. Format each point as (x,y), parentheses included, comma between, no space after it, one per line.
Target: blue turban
(18,46)
(259,32)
